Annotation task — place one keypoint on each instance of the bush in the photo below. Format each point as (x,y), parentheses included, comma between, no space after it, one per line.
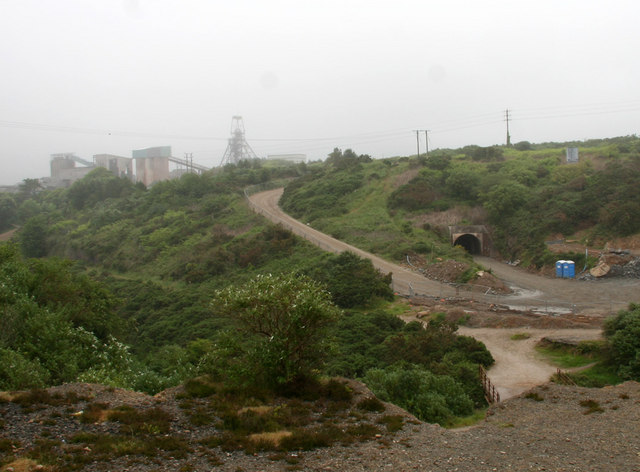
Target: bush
(280,330)
(623,337)
(19,372)
(352,280)
(432,398)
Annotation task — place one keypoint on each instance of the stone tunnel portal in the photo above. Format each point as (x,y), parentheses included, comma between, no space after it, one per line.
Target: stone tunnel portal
(470,243)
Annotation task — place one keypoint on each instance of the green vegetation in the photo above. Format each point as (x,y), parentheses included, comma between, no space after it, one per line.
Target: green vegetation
(170,283)
(526,193)
(591,406)
(569,356)
(623,337)
(404,362)
(615,359)
(323,415)
(431,397)
(352,280)
(279,334)
(600,375)
(56,324)
(535,396)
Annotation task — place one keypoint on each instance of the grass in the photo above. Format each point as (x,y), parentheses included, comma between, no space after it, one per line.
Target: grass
(281,425)
(39,398)
(597,376)
(393,423)
(585,353)
(371,404)
(520,336)
(591,406)
(568,356)
(534,396)
(462,422)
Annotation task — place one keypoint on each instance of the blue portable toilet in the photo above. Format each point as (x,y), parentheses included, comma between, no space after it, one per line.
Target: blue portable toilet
(559,268)
(569,269)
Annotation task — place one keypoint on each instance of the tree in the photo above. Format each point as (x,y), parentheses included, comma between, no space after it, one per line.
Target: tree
(280,330)
(42,341)
(505,199)
(97,186)
(29,188)
(432,398)
(353,280)
(348,158)
(623,337)
(8,211)
(33,237)
(463,181)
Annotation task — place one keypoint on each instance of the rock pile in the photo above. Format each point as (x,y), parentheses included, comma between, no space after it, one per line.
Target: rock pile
(614,265)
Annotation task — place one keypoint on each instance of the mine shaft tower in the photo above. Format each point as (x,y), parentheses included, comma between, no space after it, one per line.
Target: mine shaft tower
(238,149)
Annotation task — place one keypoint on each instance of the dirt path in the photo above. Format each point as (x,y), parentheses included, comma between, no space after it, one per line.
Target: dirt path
(517,367)
(405,281)
(7,236)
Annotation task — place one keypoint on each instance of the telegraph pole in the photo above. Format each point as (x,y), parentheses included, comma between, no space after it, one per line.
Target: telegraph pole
(506,115)
(426,140)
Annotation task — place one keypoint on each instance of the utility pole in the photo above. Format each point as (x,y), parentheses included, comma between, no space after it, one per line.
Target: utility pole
(426,140)
(506,115)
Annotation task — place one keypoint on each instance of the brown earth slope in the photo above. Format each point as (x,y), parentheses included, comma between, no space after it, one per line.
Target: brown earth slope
(554,427)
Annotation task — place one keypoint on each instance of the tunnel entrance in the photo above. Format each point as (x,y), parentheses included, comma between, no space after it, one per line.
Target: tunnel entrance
(470,243)
(473,238)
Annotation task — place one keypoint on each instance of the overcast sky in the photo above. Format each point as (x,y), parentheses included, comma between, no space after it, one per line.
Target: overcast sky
(110,76)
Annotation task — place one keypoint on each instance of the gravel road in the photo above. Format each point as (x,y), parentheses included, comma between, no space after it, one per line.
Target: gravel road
(531,290)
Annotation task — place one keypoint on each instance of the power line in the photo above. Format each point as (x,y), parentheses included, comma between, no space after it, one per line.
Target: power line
(312,143)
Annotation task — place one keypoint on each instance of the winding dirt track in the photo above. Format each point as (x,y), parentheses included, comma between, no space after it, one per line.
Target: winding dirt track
(517,366)
(531,290)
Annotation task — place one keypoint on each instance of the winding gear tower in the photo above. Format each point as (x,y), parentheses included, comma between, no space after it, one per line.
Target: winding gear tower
(238,149)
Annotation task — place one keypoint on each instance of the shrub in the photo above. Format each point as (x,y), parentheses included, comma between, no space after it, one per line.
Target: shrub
(623,337)
(352,280)
(433,398)
(280,330)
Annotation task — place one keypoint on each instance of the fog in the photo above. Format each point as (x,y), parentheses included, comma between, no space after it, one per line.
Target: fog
(110,76)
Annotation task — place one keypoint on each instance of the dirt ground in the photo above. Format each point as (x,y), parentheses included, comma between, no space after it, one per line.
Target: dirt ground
(629,243)
(518,367)
(8,235)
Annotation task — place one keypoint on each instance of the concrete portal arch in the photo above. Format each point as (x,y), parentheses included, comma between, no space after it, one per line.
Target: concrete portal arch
(470,243)
(474,238)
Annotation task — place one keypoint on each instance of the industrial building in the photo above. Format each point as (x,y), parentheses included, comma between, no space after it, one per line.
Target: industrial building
(65,172)
(119,166)
(294,158)
(152,164)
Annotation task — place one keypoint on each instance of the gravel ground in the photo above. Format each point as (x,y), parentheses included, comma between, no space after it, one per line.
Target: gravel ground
(547,428)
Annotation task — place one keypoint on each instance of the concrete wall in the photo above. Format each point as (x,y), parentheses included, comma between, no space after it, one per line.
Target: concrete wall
(468,236)
(152,169)
(118,165)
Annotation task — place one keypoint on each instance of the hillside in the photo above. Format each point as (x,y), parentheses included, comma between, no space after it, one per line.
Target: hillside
(111,283)
(553,427)
(525,195)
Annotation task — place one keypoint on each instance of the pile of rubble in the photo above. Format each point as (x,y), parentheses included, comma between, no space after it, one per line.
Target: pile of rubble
(614,264)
